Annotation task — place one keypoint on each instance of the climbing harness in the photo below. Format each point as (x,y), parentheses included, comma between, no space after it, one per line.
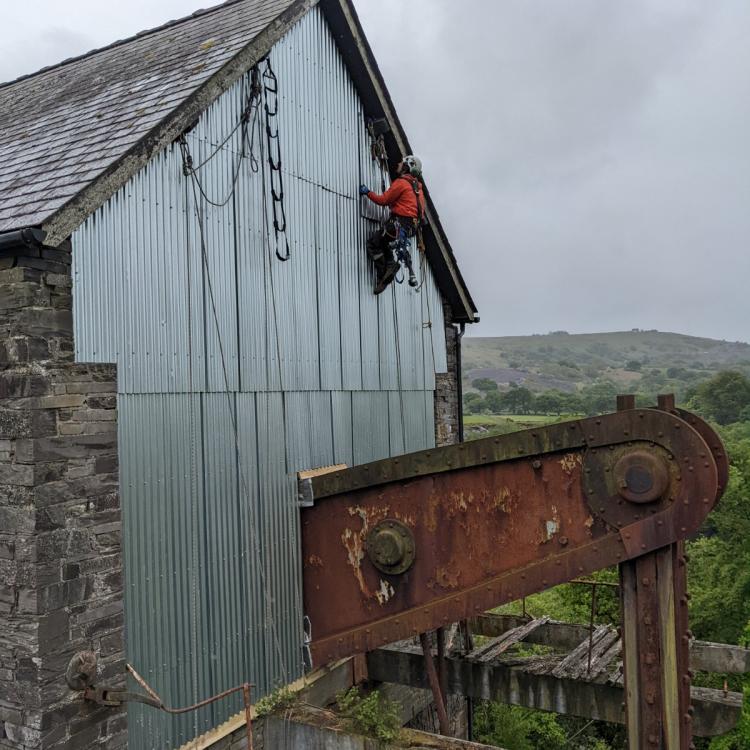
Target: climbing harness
(400,247)
(420,215)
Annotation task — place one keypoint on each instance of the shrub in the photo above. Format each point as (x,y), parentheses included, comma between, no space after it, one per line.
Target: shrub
(372,715)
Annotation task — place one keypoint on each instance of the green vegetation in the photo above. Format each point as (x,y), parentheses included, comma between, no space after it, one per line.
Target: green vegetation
(372,714)
(725,398)
(279,699)
(484,384)
(708,377)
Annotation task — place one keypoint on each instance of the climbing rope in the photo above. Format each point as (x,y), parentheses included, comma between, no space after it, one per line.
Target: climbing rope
(396,330)
(249,124)
(255,541)
(246,123)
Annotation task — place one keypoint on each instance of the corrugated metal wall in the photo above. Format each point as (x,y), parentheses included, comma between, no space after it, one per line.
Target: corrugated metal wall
(315,370)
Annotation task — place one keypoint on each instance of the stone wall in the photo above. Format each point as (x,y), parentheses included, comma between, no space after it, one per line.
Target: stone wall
(446,389)
(60,548)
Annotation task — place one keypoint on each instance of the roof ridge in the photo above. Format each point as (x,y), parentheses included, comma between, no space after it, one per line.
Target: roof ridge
(168,24)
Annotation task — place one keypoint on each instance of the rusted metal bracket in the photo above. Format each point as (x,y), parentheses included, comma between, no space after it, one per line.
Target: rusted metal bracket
(81,673)
(105,696)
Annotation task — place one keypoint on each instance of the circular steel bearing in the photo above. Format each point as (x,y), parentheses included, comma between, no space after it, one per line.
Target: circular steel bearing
(390,546)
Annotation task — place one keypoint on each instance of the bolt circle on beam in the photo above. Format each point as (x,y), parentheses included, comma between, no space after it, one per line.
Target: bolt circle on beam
(390,546)
(641,477)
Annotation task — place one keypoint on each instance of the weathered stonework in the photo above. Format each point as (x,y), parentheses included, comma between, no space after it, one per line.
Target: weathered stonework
(60,547)
(447,412)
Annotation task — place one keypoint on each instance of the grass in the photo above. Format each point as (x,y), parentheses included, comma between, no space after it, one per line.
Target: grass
(485,425)
(518,419)
(534,419)
(471,419)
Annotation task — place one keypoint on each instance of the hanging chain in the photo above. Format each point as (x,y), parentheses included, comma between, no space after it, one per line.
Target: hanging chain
(271,107)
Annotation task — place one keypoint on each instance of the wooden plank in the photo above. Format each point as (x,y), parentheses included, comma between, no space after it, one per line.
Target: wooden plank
(575,664)
(502,643)
(564,636)
(330,674)
(608,662)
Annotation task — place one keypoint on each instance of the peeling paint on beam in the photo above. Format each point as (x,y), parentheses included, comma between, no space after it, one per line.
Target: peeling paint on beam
(715,713)
(65,221)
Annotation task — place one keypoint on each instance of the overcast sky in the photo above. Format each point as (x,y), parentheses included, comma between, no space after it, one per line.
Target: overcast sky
(590,159)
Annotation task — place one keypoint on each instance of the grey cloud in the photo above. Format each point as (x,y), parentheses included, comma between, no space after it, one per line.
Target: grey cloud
(589,159)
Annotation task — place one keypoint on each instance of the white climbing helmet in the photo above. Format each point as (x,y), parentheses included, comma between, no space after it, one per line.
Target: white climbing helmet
(413,164)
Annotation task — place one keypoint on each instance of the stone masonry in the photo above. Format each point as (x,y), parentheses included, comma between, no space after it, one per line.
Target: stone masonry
(61,587)
(447,412)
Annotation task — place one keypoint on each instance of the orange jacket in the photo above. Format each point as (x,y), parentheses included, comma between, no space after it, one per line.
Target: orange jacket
(400,197)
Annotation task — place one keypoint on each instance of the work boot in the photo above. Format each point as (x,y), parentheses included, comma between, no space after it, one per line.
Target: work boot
(387,277)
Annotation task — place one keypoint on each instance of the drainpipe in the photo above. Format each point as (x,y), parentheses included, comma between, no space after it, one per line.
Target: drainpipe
(31,237)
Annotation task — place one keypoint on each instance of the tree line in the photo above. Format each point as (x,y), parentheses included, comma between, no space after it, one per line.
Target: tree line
(724,398)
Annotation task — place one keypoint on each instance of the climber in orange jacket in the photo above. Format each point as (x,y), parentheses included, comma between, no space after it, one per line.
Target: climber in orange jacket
(405,198)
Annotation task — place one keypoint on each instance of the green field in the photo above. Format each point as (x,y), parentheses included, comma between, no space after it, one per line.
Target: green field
(483,425)
(520,420)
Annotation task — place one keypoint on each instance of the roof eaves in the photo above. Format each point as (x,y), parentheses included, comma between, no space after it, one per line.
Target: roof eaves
(72,214)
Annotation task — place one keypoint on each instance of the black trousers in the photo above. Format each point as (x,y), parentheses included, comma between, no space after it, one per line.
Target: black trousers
(377,244)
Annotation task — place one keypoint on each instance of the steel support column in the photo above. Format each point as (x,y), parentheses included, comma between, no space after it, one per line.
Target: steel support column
(656,642)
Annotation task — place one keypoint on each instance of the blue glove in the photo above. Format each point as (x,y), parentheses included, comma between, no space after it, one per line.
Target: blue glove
(363,190)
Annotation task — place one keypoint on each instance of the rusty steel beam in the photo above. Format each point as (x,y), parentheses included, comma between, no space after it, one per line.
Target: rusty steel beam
(564,636)
(715,713)
(401,546)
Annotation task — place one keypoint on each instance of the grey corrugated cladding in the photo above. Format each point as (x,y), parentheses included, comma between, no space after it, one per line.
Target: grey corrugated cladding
(319,371)
(64,126)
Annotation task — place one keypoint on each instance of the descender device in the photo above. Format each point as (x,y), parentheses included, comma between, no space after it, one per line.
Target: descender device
(398,547)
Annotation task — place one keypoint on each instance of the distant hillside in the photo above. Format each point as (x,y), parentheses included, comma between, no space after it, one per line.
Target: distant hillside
(631,359)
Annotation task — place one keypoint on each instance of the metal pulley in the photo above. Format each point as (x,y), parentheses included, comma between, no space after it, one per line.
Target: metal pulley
(390,547)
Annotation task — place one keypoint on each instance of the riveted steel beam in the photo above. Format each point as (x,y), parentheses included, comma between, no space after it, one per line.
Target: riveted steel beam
(497,519)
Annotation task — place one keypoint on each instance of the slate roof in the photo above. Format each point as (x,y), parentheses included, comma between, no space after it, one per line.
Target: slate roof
(65,125)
